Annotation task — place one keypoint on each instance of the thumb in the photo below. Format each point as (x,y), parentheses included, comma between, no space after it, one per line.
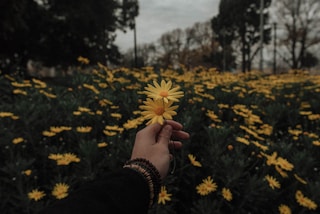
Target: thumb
(165,135)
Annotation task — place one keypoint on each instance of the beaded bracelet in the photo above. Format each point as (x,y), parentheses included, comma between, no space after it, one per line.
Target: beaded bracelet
(149,172)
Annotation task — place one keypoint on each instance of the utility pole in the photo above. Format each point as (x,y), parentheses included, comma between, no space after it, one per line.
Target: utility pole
(261,34)
(274,48)
(135,43)
(224,50)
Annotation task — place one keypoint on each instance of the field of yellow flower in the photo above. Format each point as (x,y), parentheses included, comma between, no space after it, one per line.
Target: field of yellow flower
(254,145)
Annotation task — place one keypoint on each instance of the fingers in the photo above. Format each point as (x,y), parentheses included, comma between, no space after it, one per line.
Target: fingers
(156,133)
(165,134)
(175,145)
(177,132)
(175,125)
(149,132)
(180,135)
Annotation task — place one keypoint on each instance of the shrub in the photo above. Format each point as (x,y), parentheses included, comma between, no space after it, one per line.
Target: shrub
(254,145)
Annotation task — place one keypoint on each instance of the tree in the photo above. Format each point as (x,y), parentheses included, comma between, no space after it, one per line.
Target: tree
(239,20)
(191,47)
(57,32)
(171,45)
(200,44)
(298,21)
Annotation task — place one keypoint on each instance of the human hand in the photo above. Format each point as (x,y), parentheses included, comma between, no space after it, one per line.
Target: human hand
(153,142)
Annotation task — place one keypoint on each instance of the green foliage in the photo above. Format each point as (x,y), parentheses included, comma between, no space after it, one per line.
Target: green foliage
(57,32)
(240,21)
(236,122)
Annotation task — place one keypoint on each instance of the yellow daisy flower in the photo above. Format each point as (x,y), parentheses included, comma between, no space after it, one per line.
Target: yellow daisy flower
(284,164)
(284,209)
(110,133)
(48,133)
(206,187)
(19,91)
(17,140)
(36,195)
(60,190)
(227,194)
(64,159)
(103,144)
(243,140)
(134,123)
(27,172)
(6,114)
(84,129)
(305,202)
(164,196)
(157,110)
(163,91)
(83,60)
(193,161)
(273,183)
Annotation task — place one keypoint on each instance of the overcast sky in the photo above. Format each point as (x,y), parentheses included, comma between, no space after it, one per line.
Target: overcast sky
(157,17)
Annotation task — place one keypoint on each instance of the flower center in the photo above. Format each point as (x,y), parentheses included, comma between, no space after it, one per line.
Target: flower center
(164,94)
(159,110)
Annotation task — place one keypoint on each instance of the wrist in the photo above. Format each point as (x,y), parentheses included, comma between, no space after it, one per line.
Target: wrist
(150,174)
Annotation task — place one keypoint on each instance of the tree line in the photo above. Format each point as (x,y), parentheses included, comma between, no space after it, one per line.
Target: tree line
(57,32)
(233,38)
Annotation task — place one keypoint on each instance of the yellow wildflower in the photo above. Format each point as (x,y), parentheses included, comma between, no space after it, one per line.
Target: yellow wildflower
(27,172)
(284,164)
(193,161)
(316,143)
(109,133)
(17,140)
(47,94)
(77,113)
(284,209)
(55,129)
(103,144)
(213,116)
(64,159)
(114,128)
(134,123)
(157,110)
(262,147)
(48,133)
(84,109)
(163,91)
(83,60)
(55,156)
(91,87)
(116,115)
(206,187)
(36,195)
(271,159)
(21,85)
(243,140)
(98,112)
(227,194)
(6,114)
(314,117)
(273,183)
(304,201)
(60,190)
(19,91)
(163,196)
(84,129)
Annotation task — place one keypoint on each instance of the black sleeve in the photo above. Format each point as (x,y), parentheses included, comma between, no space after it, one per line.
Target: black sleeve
(124,191)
